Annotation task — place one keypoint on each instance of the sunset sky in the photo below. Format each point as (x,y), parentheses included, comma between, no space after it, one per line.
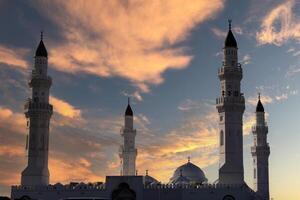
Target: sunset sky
(165,56)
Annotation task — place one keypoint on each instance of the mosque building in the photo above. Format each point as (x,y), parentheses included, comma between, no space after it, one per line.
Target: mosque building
(188,181)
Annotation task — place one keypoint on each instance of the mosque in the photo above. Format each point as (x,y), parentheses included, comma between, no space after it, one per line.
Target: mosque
(188,181)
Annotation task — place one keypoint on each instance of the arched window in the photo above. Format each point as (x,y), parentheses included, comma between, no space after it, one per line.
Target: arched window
(221,138)
(228,197)
(123,192)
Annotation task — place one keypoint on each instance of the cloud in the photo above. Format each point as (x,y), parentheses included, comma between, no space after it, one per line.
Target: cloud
(14,57)
(219,33)
(223,33)
(279,25)
(195,136)
(246,59)
(265,99)
(137,42)
(64,108)
(136,95)
(189,105)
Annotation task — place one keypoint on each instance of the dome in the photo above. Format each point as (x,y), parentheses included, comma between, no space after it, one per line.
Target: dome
(190,171)
(149,180)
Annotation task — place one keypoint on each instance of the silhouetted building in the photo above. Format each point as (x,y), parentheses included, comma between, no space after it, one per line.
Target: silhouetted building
(188,181)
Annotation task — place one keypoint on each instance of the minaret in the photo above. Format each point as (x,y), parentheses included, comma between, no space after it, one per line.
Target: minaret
(38,111)
(260,153)
(231,106)
(128,152)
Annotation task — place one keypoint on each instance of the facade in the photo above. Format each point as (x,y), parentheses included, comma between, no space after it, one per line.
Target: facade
(188,181)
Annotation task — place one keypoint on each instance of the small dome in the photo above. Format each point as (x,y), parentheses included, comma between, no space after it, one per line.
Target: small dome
(181,180)
(149,180)
(41,50)
(128,111)
(260,107)
(190,171)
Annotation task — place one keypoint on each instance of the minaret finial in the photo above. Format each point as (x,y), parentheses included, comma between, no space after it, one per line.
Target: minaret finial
(42,35)
(189,159)
(259,96)
(229,23)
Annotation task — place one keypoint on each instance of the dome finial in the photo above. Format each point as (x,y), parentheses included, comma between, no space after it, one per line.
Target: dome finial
(146,172)
(189,159)
(229,24)
(259,96)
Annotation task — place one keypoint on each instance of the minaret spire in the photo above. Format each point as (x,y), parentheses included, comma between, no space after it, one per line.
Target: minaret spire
(38,111)
(128,152)
(260,153)
(41,35)
(229,24)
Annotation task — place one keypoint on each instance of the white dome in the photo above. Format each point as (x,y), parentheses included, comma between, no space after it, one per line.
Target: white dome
(190,171)
(149,180)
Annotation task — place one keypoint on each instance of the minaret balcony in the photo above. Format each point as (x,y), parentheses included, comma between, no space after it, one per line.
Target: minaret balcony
(260,150)
(260,129)
(230,100)
(229,72)
(37,106)
(36,79)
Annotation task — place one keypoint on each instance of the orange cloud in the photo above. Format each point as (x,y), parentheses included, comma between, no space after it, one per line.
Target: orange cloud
(136,42)
(289,25)
(13,57)
(64,108)
(15,121)
(65,171)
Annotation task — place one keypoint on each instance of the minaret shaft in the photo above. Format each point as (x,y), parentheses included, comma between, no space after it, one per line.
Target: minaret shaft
(260,153)
(231,106)
(128,152)
(38,111)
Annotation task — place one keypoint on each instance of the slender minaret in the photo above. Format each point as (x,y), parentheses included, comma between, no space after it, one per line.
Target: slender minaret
(260,152)
(231,106)
(128,152)
(38,111)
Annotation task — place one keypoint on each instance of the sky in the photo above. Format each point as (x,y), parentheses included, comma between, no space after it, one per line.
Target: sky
(164,55)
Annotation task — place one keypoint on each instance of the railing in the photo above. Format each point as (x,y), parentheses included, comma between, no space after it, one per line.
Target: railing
(60,187)
(225,69)
(233,99)
(257,127)
(30,105)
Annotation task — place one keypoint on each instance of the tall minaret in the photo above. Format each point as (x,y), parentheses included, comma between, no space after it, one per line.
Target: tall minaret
(128,152)
(260,152)
(231,106)
(38,111)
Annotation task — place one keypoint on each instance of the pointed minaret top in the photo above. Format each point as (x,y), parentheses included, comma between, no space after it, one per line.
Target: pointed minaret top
(230,40)
(189,159)
(259,107)
(128,111)
(41,51)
